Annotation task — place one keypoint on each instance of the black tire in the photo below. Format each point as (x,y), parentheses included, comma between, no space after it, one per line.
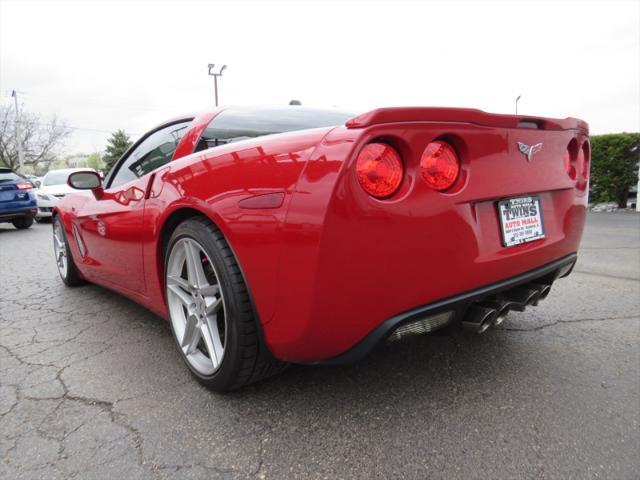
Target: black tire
(22,222)
(72,277)
(246,359)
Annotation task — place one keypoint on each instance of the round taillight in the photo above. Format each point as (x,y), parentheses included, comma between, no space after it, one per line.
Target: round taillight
(570,169)
(440,165)
(379,169)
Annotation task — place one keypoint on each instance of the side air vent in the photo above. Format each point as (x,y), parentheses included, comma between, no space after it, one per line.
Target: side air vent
(81,246)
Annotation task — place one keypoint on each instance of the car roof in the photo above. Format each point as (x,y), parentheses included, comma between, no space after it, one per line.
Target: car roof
(283,108)
(258,110)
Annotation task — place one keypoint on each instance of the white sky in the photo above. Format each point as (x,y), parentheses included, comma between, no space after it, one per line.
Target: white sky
(108,65)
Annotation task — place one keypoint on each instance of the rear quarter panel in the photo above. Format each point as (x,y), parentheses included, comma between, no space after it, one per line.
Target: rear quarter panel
(213,182)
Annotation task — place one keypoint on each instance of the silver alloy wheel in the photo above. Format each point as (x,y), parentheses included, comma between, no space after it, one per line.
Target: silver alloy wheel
(60,248)
(196,306)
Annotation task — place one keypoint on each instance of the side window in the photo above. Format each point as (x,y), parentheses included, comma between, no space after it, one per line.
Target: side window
(156,150)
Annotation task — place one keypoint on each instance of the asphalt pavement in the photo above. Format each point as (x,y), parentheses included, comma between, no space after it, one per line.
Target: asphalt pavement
(91,386)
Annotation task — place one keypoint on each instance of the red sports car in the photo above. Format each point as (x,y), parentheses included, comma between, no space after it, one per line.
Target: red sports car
(274,235)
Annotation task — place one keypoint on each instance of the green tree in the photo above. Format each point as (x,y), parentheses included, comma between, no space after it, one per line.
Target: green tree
(58,164)
(614,166)
(94,161)
(116,146)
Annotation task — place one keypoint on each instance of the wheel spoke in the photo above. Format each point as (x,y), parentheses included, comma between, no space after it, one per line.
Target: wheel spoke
(211,338)
(183,296)
(191,335)
(214,306)
(210,290)
(195,272)
(178,281)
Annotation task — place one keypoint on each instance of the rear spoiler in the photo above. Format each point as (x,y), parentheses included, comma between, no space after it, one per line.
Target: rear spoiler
(463,115)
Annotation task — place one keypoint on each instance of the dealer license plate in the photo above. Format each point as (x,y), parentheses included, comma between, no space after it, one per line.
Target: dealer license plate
(520,220)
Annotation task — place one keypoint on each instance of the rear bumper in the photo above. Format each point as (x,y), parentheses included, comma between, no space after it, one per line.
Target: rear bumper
(46,205)
(9,215)
(44,211)
(458,304)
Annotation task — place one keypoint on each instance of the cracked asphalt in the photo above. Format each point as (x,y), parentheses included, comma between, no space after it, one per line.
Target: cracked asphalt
(91,386)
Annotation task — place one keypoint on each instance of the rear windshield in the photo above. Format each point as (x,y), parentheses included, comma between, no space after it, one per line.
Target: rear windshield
(55,178)
(236,124)
(9,176)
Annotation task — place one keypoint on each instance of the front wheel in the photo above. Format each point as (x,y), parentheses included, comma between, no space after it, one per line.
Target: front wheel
(64,260)
(210,311)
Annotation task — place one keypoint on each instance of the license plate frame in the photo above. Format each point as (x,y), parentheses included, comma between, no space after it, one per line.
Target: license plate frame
(518,224)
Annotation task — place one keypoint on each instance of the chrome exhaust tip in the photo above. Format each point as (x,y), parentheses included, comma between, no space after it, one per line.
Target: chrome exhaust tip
(499,320)
(479,319)
(543,291)
(520,298)
(501,307)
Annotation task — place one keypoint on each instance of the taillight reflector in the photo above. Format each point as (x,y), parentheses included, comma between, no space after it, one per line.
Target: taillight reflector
(24,185)
(379,169)
(583,161)
(568,166)
(439,165)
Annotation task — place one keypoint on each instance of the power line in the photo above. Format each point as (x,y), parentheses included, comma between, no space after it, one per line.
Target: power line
(69,127)
(116,105)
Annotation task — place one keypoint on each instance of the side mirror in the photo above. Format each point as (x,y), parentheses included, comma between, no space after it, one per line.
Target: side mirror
(38,183)
(86,181)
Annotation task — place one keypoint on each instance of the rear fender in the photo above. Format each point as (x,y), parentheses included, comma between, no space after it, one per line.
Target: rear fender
(215,182)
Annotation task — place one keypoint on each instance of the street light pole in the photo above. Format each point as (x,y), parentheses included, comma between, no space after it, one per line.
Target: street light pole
(517,100)
(215,76)
(215,87)
(14,94)
(633,150)
(638,193)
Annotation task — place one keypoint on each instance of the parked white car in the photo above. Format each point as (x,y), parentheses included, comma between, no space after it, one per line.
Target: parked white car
(54,187)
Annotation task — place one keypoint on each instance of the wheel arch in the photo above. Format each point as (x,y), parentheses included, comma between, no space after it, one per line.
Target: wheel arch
(167,228)
(169,225)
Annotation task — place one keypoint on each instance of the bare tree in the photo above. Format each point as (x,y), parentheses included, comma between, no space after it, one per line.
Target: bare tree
(39,139)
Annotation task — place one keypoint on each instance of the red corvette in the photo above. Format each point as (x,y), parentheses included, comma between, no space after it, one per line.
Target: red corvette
(275,235)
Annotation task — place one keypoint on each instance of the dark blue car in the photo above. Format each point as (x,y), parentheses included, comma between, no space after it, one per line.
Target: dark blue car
(17,200)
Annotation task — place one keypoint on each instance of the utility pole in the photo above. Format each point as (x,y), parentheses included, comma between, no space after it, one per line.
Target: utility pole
(517,100)
(14,94)
(215,78)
